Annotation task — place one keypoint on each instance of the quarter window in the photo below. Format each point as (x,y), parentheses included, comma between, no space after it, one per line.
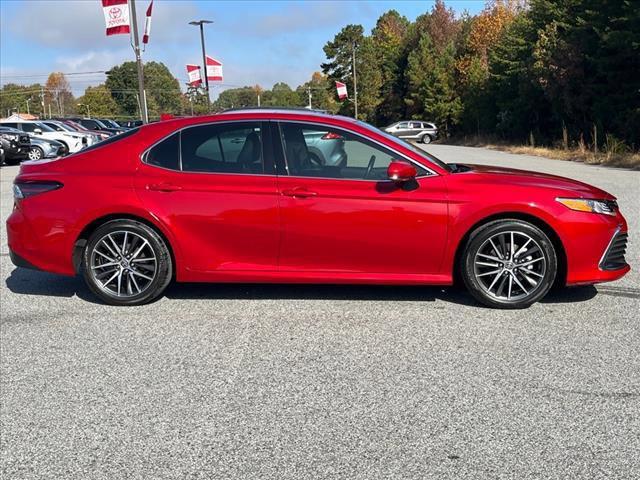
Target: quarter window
(166,154)
(228,148)
(319,151)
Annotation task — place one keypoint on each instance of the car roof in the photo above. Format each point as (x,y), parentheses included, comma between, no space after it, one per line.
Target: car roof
(279,112)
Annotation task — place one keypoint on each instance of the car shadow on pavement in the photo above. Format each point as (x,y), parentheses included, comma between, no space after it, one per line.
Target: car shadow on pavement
(31,282)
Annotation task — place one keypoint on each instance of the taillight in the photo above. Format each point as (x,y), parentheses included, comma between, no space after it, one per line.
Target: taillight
(29,189)
(331,136)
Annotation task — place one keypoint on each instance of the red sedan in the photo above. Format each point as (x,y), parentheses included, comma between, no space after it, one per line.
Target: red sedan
(298,197)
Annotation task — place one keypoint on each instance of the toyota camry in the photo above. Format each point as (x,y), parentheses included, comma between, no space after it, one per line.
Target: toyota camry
(242,197)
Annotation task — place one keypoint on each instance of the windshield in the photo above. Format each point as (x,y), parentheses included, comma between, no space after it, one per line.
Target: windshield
(64,127)
(427,156)
(44,128)
(110,123)
(76,125)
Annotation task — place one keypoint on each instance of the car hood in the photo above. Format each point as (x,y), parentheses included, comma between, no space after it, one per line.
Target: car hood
(501,175)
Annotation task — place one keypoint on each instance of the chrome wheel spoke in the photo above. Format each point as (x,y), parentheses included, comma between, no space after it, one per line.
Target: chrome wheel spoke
(490,257)
(133,279)
(487,264)
(105,256)
(141,275)
(493,272)
(515,279)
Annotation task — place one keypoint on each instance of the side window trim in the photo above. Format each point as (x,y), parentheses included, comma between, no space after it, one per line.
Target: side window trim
(268,154)
(430,173)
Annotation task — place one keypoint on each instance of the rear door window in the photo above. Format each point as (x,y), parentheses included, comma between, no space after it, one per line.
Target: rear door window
(223,148)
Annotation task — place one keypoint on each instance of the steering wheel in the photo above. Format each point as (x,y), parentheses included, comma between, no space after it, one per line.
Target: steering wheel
(372,162)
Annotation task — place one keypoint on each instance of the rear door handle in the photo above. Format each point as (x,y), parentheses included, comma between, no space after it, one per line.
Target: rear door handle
(299,192)
(163,187)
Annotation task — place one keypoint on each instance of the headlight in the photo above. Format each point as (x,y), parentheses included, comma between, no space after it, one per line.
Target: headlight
(10,136)
(605,207)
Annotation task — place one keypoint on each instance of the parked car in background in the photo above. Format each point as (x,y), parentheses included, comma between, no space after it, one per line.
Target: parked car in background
(325,148)
(130,123)
(236,197)
(110,123)
(74,141)
(417,130)
(44,148)
(62,127)
(95,124)
(101,134)
(15,145)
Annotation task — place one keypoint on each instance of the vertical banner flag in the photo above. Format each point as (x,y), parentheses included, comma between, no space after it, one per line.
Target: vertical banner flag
(214,70)
(116,16)
(342,90)
(193,72)
(147,24)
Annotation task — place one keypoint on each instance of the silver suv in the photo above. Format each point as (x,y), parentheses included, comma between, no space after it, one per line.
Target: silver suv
(417,130)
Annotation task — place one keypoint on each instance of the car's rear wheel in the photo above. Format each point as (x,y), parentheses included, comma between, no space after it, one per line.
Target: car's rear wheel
(36,153)
(126,262)
(509,264)
(426,138)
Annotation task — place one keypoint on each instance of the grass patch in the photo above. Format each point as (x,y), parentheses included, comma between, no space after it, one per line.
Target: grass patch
(612,155)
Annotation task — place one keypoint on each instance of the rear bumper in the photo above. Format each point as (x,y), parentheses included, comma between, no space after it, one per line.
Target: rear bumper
(18,261)
(27,249)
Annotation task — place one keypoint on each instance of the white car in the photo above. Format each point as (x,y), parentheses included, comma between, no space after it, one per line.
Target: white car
(62,127)
(74,141)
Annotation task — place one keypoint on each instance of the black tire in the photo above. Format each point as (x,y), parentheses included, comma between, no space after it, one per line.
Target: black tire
(163,264)
(426,138)
(540,267)
(36,153)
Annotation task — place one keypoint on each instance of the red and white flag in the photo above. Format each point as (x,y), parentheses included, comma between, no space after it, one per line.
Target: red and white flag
(147,24)
(214,70)
(193,72)
(116,16)
(342,90)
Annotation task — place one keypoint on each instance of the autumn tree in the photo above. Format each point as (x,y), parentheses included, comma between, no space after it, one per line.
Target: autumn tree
(58,93)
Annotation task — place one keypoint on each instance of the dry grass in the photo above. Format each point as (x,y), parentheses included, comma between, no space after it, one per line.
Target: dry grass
(613,158)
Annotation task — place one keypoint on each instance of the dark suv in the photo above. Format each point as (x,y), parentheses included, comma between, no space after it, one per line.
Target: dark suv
(417,130)
(15,146)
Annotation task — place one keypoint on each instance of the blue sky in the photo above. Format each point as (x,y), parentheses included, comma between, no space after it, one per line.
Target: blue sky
(259,42)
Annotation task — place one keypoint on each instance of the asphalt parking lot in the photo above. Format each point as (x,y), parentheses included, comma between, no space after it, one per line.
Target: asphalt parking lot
(316,382)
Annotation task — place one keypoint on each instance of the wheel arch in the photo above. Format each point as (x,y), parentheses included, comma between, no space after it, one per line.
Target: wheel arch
(83,237)
(561,276)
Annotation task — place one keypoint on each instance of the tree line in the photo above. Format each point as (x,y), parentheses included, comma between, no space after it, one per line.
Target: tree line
(540,71)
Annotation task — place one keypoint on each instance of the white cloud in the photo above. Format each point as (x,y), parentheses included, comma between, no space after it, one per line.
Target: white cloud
(79,24)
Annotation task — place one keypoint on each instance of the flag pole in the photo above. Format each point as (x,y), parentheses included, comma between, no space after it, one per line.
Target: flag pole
(144,115)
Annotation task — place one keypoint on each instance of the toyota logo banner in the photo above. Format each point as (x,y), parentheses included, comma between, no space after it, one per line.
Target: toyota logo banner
(116,16)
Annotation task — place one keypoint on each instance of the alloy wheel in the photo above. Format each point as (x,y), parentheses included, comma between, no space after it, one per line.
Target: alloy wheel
(510,266)
(35,153)
(123,264)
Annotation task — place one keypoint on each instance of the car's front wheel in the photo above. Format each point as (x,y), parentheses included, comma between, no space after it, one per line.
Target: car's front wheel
(126,262)
(509,264)
(426,138)
(36,153)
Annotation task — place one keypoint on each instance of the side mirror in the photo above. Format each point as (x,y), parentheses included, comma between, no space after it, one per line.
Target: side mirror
(37,131)
(400,171)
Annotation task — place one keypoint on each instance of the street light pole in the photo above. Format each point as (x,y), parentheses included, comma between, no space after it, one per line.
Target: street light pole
(201,23)
(355,83)
(136,49)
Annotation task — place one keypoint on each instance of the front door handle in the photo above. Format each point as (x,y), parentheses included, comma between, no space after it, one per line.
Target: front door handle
(299,192)
(163,187)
